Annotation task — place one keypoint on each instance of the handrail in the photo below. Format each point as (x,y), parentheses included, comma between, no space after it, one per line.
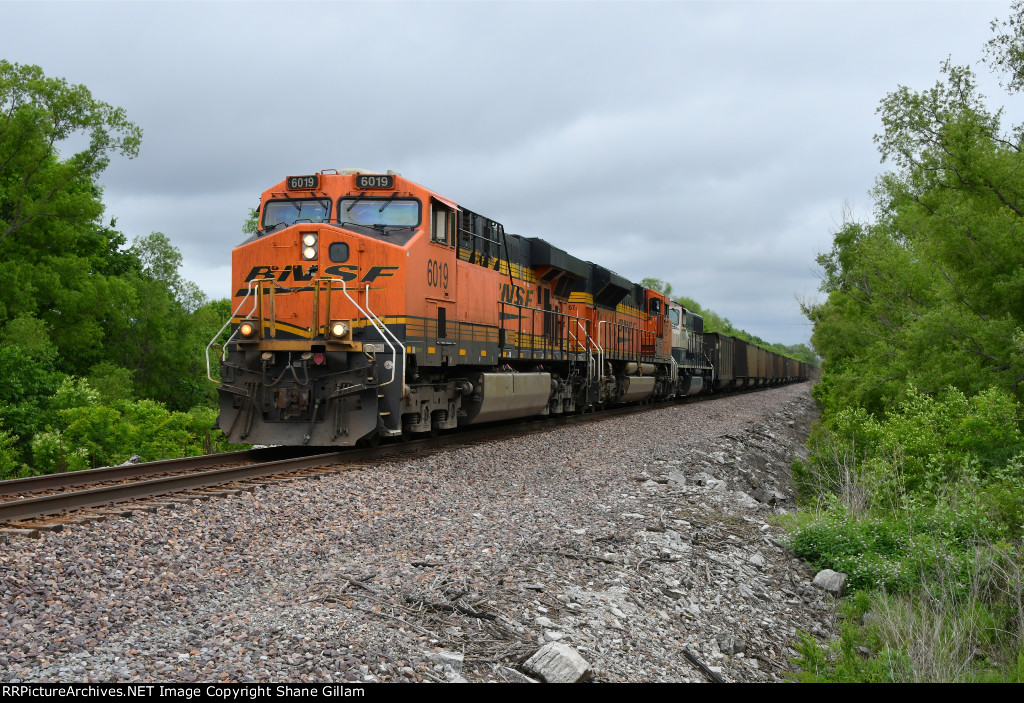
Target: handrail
(714,371)
(374,320)
(385,329)
(224,326)
(559,342)
(633,332)
(590,357)
(586,350)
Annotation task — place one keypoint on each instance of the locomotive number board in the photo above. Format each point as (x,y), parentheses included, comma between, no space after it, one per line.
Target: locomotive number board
(303,182)
(374,181)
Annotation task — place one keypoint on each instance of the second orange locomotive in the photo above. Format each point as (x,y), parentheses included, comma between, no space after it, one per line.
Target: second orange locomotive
(367,306)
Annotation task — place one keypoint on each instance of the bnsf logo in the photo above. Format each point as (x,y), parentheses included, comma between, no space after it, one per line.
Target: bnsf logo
(516,296)
(345,272)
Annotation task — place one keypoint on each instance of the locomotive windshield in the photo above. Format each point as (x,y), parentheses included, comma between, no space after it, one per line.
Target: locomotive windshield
(288,212)
(379,211)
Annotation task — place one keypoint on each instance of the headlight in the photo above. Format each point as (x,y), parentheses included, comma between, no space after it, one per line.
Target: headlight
(309,245)
(247,329)
(338,329)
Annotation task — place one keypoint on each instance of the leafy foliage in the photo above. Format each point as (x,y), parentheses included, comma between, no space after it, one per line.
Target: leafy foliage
(914,482)
(932,293)
(38,115)
(101,344)
(252,221)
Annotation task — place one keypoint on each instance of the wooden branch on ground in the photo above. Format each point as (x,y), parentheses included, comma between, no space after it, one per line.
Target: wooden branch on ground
(704,669)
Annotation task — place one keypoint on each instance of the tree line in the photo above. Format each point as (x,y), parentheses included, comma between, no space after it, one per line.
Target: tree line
(914,482)
(101,340)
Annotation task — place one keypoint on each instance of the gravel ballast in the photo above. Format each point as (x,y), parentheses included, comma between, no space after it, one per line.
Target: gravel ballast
(636,541)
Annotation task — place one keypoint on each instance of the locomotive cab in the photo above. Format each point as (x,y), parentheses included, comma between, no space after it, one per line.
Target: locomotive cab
(695,370)
(315,356)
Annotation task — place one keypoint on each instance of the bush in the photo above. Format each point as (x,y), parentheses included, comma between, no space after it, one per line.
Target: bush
(85,430)
(869,551)
(923,509)
(52,452)
(10,457)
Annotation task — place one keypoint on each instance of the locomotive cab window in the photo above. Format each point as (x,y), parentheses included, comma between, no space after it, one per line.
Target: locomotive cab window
(387,211)
(442,223)
(673,315)
(288,212)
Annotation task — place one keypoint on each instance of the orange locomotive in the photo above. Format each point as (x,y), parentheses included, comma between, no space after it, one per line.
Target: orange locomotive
(367,306)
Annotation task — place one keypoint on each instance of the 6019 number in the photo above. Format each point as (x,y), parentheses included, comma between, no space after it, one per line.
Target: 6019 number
(375,181)
(437,274)
(303,182)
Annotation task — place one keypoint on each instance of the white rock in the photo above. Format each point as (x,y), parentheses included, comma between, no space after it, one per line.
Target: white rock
(716,485)
(833,582)
(557,662)
(745,500)
(453,677)
(447,659)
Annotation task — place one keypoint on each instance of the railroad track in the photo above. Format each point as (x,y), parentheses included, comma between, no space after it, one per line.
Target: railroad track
(53,497)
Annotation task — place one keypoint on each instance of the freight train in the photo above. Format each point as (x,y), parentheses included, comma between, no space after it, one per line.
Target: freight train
(367,306)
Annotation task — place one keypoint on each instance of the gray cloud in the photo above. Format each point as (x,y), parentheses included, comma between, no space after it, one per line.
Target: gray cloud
(713,145)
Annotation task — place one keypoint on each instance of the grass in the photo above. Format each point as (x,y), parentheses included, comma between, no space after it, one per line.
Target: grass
(929,528)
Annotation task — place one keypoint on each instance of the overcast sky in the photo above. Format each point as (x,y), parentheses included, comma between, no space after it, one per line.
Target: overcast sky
(713,145)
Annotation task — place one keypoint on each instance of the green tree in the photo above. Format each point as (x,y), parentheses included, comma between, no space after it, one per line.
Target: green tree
(28,384)
(919,459)
(252,221)
(658,285)
(164,340)
(931,294)
(37,116)
(63,263)
(101,345)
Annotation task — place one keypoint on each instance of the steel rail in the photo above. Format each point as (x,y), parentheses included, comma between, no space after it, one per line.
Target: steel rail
(53,504)
(68,479)
(39,506)
(119,493)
